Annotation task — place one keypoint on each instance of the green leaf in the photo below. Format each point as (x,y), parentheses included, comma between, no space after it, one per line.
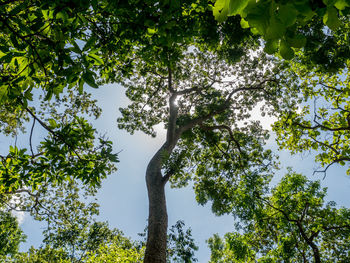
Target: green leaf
(53,123)
(287,14)
(259,18)
(220,10)
(236,6)
(298,41)
(275,30)
(62,15)
(22,64)
(89,43)
(151,31)
(244,23)
(96,58)
(3,92)
(28,95)
(341,4)
(286,51)
(89,79)
(331,18)
(329,2)
(271,46)
(14,41)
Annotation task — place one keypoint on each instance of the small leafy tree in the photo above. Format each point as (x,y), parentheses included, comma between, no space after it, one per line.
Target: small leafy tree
(42,255)
(10,234)
(292,224)
(116,253)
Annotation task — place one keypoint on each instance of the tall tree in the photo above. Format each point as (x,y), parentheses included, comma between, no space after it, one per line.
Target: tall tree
(205,104)
(55,45)
(293,224)
(58,46)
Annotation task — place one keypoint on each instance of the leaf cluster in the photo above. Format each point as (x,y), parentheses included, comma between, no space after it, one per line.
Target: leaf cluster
(321,122)
(284,25)
(293,223)
(10,234)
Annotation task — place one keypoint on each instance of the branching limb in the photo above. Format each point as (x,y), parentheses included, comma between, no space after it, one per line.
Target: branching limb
(30,137)
(228,129)
(58,136)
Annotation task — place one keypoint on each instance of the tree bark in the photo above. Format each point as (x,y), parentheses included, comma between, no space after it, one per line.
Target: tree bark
(309,241)
(158,218)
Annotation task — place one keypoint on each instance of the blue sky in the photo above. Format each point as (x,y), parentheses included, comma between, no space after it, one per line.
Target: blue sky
(123,196)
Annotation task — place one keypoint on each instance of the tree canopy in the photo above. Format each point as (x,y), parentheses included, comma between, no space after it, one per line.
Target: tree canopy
(292,224)
(287,25)
(319,119)
(180,68)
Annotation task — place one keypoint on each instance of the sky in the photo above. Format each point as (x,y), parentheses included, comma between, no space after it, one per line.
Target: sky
(123,196)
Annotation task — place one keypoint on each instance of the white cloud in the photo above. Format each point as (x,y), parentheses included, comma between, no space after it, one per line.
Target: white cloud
(265,121)
(21,216)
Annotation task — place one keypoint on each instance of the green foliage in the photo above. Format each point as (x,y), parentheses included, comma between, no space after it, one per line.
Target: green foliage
(117,250)
(234,248)
(284,25)
(39,47)
(293,224)
(324,50)
(72,233)
(40,255)
(180,243)
(219,154)
(56,47)
(181,246)
(58,160)
(10,234)
(116,253)
(323,124)
(70,149)
(71,223)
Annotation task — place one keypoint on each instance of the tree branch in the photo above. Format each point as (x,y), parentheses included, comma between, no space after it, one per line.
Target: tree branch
(30,138)
(173,111)
(58,136)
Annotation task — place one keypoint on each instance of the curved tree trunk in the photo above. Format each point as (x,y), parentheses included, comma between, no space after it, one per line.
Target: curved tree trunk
(158,218)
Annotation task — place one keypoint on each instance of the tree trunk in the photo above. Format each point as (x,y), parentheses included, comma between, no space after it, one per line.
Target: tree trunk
(317,256)
(309,241)
(158,218)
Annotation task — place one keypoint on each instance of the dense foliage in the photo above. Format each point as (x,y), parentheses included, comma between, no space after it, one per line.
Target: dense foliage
(199,78)
(288,25)
(10,234)
(319,120)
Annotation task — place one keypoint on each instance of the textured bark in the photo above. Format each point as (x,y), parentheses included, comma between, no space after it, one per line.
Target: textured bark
(157,217)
